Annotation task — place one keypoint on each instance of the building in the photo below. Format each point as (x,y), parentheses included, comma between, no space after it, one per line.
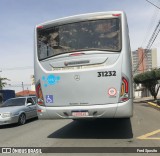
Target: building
(154,58)
(143,60)
(26,93)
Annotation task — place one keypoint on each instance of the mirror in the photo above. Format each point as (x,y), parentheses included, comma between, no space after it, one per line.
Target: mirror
(29,104)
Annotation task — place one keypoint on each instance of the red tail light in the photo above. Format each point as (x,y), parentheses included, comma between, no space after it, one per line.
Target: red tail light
(125,84)
(39,111)
(77,54)
(40,27)
(124,96)
(116,14)
(39,95)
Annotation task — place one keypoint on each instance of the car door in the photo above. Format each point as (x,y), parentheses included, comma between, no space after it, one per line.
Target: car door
(31,107)
(34,106)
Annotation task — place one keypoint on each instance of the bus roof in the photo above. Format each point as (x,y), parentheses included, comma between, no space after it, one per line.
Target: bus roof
(81,17)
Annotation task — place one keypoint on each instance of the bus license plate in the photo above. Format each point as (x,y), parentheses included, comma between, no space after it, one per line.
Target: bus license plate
(80,114)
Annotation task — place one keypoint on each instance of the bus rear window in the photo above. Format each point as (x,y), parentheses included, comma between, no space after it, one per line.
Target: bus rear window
(102,35)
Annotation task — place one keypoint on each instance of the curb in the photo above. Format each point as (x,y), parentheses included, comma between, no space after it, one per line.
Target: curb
(154,105)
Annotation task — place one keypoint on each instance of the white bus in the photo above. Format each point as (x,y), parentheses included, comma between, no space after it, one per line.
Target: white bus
(82,67)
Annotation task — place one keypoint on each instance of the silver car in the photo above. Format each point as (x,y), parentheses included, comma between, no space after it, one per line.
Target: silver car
(18,110)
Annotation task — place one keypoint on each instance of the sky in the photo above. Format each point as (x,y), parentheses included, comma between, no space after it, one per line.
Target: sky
(19,17)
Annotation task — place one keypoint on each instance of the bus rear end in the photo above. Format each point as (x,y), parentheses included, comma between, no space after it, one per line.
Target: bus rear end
(83,67)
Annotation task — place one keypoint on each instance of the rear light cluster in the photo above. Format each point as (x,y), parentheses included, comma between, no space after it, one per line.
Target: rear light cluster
(39,27)
(77,54)
(124,96)
(39,95)
(116,15)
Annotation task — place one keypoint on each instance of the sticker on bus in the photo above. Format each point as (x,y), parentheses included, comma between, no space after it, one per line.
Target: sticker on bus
(106,73)
(49,99)
(50,80)
(112,91)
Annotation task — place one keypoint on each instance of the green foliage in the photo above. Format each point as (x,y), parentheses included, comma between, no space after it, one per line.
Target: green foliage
(149,80)
(3,82)
(147,76)
(157,74)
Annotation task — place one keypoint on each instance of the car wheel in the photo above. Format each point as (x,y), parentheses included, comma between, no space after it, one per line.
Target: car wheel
(22,119)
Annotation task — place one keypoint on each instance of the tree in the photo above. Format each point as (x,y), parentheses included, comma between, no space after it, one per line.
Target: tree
(3,82)
(150,80)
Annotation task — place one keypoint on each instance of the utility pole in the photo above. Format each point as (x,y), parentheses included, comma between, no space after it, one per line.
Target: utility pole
(23,88)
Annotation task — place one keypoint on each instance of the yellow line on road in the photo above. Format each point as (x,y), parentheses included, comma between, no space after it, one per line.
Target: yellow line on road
(147,136)
(153,104)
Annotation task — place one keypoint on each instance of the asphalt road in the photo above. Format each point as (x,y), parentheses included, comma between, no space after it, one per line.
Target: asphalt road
(142,130)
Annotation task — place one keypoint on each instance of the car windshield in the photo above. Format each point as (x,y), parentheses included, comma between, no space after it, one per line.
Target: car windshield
(14,102)
(87,35)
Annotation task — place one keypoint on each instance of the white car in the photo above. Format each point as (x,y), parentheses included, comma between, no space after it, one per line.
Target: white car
(18,110)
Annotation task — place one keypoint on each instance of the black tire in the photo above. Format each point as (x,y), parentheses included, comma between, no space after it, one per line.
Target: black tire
(22,119)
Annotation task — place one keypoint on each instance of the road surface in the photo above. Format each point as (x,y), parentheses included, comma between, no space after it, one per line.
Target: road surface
(142,130)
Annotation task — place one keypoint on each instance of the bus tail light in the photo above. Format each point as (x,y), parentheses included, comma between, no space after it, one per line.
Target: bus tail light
(39,95)
(124,96)
(77,54)
(39,27)
(116,15)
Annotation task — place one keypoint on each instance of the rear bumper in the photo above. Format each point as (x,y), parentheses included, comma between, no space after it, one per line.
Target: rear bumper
(118,110)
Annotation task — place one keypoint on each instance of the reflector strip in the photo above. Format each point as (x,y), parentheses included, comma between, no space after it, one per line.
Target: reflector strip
(124,99)
(122,89)
(39,110)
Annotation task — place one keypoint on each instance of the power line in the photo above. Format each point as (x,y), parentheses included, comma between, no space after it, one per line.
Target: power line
(17,68)
(156,44)
(154,36)
(153,4)
(151,41)
(149,45)
(150,26)
(18,85)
